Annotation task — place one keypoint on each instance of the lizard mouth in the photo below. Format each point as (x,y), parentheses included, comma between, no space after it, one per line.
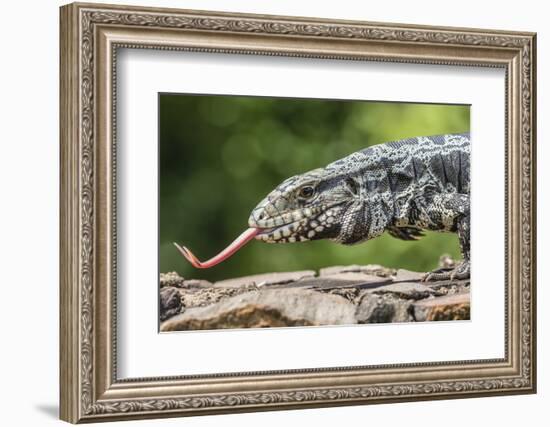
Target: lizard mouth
(282,233)
(274,230)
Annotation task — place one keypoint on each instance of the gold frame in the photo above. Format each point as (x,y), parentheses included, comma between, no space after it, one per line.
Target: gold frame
(90,36)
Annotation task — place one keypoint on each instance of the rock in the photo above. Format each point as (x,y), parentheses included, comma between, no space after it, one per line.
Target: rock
(349,293)
(175,280)
(267,308)
(408,276)
(196,283)
(407,290)
(371,269)
(449,307)
(386,308)
(170,279)
(170,302)
(200,297)
(342,280)
(327,271)
(450,287)
(265,279)
(339,295)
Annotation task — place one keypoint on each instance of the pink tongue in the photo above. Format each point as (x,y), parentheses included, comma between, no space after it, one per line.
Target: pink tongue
(238,243)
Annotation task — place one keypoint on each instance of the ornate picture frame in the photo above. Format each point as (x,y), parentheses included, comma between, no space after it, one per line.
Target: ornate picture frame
(90,37)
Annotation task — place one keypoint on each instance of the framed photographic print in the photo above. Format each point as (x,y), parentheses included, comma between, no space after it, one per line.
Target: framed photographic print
(236,148)
(264,212)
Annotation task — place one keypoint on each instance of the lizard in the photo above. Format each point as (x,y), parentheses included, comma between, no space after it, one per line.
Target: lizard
(401,187)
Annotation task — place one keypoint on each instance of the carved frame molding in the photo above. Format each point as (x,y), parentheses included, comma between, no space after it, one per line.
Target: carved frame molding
(90,37)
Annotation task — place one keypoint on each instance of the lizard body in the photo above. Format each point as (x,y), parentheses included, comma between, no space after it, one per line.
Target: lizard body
(402,187)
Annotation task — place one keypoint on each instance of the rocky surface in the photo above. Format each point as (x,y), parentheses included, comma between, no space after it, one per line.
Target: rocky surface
(170,302)
(272,307)
(450,307)
(339,295)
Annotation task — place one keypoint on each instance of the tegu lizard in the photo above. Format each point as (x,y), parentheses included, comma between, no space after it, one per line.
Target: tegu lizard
(402,187)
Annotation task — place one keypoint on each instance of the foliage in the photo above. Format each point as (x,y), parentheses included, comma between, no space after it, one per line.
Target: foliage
(220,155)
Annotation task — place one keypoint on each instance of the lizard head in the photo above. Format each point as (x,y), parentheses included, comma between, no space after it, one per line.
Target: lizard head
(304,207)
(320,204)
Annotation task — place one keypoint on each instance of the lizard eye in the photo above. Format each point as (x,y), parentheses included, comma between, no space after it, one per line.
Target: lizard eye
(306,192)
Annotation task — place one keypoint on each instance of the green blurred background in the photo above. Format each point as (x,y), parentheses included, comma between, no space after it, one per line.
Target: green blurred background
(220,155)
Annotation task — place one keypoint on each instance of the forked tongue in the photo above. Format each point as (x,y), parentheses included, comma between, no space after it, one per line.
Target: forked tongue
(238,243)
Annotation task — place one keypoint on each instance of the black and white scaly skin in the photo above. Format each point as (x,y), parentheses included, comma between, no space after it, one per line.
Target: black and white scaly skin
(401,187)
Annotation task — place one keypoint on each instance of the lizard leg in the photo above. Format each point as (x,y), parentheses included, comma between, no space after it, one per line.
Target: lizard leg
(405,233)
(462,270)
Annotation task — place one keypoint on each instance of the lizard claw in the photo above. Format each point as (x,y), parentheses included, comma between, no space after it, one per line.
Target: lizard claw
(460,272)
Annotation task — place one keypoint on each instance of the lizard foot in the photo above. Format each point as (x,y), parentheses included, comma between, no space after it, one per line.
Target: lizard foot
(460,272)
